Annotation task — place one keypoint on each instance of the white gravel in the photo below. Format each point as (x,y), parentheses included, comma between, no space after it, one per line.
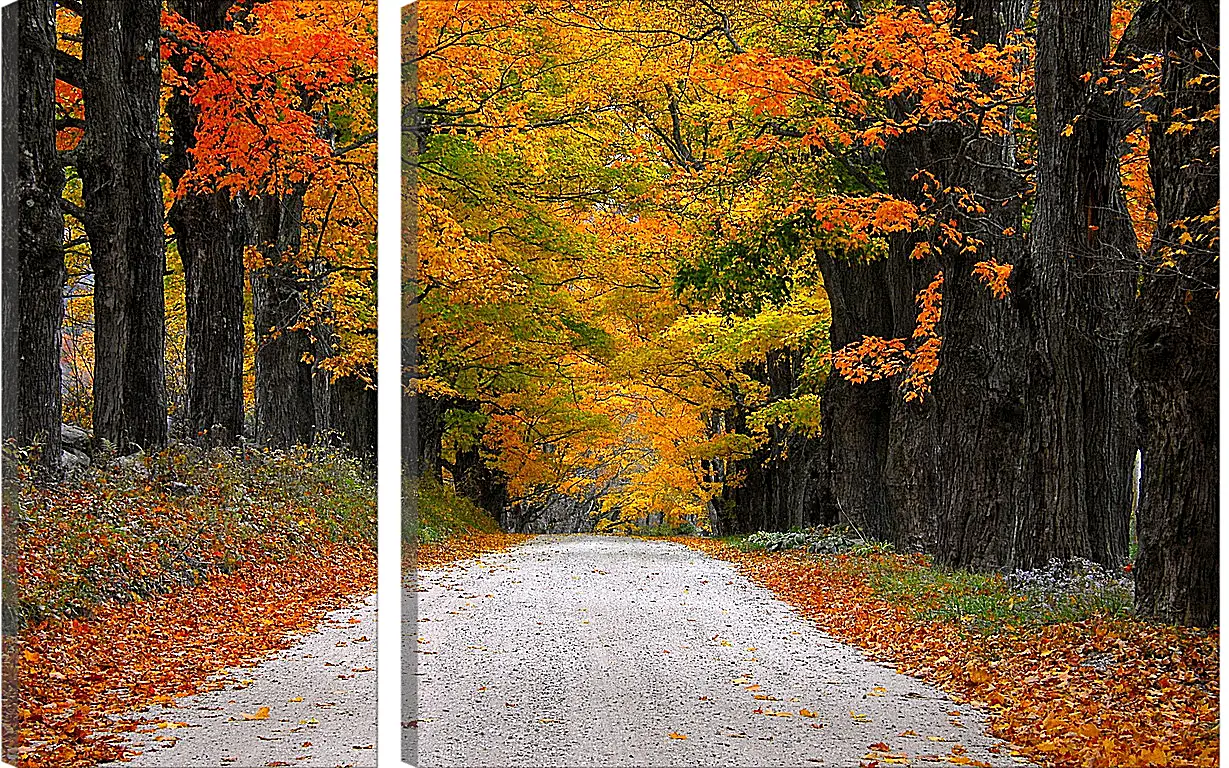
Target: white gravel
(321,695)
(592,651)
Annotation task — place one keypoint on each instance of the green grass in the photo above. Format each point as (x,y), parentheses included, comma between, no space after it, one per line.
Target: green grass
(441,514)
(985,601)
(980,601)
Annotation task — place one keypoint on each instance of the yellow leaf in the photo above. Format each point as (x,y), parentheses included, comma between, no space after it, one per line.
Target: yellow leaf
(807,713)
(261,714)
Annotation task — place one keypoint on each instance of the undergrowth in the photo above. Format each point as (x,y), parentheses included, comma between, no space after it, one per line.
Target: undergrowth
(135,526)
(1063,591)
(441,514)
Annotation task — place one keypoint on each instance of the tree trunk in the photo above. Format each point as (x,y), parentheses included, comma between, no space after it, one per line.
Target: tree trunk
(910,474)
(40,239)
(1080,283)
(854,419)
(210,233)
(345,406)
(354,416)
(477,481)
(1174,344)
(285,409)
(781,482)
(430,435)
(10,243)
(979,390)
(124,222)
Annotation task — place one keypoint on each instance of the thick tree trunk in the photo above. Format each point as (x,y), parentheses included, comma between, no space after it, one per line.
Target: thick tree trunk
(10,243)
(429,435)
(353,416)
(477,481)
(345,406)
(40,240)
(124,222)
(910,475)
(1080,283)
(210,233)
(980,388)
(1174,342)
(285,408)
(854,420)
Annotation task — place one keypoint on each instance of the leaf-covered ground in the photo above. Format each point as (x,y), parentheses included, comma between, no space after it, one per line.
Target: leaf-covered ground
(1103,691)
(140,581)
(464,547)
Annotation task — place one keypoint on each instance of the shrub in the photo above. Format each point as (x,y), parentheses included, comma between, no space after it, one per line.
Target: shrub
(835,540)
(1074,589)
(441,513)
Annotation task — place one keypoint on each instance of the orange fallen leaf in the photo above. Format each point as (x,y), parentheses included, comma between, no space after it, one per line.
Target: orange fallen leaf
(261,714)
(674,735)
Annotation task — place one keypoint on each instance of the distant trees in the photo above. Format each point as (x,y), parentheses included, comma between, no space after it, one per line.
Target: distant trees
(270,111)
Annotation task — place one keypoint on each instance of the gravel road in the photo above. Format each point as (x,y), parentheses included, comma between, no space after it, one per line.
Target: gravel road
(321,695)
(608,651)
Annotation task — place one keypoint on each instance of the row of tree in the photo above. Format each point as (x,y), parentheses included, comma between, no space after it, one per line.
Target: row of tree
(242,126)
(936,270)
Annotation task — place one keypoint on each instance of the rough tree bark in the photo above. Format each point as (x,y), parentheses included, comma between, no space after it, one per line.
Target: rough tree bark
(482,484)
(1174,342)
(285,409)
(40,240)
(124,223)
(910,476)
(1080,283)
(353,415)
(429,436)
(979,390)
(210,233)
(10,282)
(854,417)
(345,406)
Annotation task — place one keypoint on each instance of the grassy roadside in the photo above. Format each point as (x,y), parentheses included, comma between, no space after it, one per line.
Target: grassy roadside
(447,528)
(145,576)
(1064,671)
(146,525)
